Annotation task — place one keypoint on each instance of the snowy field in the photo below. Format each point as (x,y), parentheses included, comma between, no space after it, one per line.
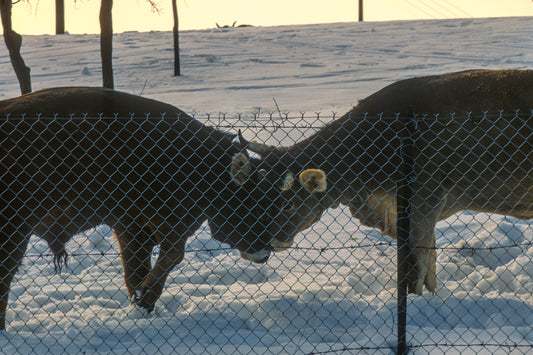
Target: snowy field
(335,291)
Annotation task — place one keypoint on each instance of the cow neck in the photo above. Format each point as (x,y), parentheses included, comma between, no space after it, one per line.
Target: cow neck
(320,151)
(352,150)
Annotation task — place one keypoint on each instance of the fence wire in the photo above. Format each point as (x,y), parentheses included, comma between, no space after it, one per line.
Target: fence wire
(151,183)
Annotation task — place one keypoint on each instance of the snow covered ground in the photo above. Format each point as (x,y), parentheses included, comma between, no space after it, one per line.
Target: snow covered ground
(336,290)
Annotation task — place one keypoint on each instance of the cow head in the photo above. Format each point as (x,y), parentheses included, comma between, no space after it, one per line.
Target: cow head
(291,198)
(252,201)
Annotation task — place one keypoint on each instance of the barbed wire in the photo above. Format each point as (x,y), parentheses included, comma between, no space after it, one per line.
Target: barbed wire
(345,348)
(319,249)
(421,346)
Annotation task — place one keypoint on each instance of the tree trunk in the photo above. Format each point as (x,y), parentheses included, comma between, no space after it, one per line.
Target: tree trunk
(60,17)
(13,43)
(106,42)
(177,70)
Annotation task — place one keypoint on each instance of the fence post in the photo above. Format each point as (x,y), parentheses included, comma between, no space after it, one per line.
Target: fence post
(402,233)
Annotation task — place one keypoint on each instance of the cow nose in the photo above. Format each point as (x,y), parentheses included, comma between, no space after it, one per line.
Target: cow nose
(280,246)
(258,257)
(261,261)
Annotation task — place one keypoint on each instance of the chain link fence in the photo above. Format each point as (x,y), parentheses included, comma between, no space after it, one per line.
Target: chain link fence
(76,181)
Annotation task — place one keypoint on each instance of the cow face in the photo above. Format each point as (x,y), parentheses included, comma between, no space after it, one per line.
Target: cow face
(288,202)
(300,205)
(252,206)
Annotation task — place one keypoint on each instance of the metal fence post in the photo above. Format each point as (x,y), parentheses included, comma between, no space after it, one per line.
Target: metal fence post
(402,233)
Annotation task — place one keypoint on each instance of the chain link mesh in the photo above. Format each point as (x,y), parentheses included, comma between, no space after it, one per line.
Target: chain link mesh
(332,292)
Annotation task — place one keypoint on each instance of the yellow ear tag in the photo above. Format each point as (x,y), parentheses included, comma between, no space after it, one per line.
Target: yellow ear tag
(314,180)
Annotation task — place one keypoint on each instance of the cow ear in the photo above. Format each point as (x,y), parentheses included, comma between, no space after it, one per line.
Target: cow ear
(240,168)
(287,183)
(314,180)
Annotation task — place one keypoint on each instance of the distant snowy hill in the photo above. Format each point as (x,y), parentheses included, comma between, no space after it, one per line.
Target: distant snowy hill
(306,68)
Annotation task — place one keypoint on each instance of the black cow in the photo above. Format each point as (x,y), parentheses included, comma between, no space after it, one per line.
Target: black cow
(482,164)
(153,180)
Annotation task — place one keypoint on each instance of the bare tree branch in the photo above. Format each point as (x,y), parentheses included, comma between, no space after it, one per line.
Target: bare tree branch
(156,8)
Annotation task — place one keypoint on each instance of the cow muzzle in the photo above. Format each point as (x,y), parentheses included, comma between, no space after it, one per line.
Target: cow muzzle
(259,257)
(281,246)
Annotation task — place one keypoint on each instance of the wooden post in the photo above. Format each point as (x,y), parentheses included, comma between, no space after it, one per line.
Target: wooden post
(360,10)
(177,70)
(60,17)
(106,43)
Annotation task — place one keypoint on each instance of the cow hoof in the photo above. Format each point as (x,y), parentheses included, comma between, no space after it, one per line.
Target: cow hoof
(259,257)
(138,300)
(145,305)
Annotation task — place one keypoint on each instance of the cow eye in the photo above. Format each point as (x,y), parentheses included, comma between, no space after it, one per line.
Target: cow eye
(262,173)
(264,218)
(288,208)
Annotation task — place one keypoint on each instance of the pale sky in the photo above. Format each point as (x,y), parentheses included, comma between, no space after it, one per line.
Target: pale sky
(81,16)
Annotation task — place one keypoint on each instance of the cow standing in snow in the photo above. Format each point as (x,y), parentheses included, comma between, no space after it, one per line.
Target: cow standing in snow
(153,180)
(459,162)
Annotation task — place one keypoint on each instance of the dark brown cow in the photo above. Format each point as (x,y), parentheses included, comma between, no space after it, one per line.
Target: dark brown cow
(153,180)
(483,164)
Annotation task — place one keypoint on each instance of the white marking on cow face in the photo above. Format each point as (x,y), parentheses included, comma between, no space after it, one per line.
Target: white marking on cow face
(240,168)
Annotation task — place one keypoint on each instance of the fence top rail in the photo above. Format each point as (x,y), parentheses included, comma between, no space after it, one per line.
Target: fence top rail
(251,117)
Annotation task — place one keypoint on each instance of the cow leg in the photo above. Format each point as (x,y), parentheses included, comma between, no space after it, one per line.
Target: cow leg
(422,259)
(426,206)
(136,245)
(13,245)
(170,255)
